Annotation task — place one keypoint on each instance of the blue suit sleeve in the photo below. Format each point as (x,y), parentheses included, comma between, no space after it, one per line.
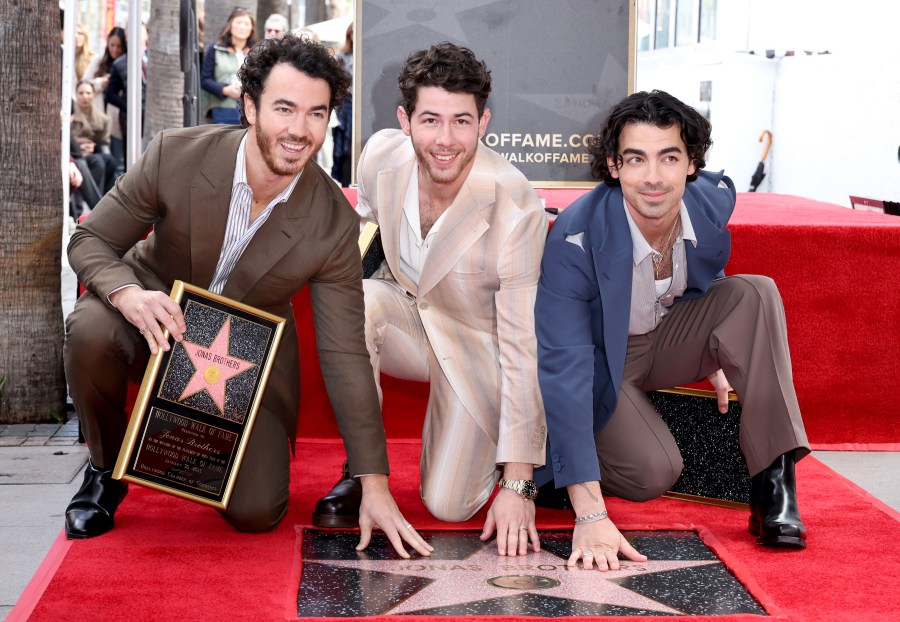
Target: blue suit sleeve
(563,322)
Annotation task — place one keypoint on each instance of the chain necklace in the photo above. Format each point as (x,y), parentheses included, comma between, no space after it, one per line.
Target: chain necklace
(658,256)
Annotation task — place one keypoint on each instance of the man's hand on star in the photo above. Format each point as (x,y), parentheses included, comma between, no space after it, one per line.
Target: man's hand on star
(149,311)
(514,519)
(722,387)
(378,509)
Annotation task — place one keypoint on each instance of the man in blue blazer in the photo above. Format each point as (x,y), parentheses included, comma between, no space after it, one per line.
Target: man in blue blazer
(633,298)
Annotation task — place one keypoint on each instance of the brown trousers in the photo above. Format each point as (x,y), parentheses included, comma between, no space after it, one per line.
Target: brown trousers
(103,352)
(737,326)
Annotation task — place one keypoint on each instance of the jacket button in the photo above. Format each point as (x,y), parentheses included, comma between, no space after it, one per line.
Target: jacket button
(423,305)
(557,467)
(555,458)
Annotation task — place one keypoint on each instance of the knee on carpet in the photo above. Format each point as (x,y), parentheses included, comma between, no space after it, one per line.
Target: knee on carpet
(255,520)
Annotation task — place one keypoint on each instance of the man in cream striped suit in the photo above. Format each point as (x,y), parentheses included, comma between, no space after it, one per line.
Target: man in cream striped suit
(463,233)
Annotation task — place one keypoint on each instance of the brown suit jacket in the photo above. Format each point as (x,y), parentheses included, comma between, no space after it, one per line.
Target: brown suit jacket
(478,286)
(182,189)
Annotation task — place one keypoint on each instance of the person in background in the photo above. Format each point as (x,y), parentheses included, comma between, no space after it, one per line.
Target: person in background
(90,131)
(276,26)
(116,92)
(83,53)
(221,62)
(633,298)
(342,132)
(98,73)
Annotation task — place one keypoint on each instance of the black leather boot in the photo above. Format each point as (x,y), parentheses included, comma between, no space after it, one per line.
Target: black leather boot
(553,498)
(340,507)
(774,517)
(90,513)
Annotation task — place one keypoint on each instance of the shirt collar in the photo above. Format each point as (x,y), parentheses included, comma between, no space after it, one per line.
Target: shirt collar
(641,248)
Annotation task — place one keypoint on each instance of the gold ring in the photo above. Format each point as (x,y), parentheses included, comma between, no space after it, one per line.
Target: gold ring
(523,528)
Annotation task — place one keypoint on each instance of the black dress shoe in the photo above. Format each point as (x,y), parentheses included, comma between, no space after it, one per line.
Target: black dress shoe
(340,507)
(774,517)
(90,513)
(553,498)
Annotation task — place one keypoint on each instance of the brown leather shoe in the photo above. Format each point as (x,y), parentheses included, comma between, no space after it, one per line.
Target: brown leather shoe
(340,507)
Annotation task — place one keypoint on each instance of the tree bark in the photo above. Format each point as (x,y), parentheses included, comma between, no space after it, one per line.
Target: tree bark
(31,330)
(165,81)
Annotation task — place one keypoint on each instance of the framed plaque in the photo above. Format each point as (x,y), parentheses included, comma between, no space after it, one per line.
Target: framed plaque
(197,403)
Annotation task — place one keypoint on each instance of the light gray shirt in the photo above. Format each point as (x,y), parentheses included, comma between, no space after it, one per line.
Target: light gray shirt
(652,299)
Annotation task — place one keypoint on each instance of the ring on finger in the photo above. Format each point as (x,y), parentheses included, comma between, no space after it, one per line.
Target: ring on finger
(588,552)
(143,332)
(409,525)
(523,528)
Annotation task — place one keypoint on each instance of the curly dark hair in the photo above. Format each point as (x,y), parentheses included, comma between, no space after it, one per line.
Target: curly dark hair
(225,36)
(654,108)
(450,67)
(302,54)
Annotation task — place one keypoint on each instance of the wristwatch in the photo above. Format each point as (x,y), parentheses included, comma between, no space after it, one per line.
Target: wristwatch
(525,487)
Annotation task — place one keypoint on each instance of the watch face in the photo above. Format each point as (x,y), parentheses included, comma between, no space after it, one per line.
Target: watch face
(529,489)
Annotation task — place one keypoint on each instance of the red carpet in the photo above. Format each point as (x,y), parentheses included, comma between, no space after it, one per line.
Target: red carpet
(169,559)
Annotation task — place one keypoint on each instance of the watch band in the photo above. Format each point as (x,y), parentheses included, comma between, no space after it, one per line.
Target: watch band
(525,487)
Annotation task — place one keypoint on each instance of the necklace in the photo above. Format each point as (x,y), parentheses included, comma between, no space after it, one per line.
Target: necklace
(658,256)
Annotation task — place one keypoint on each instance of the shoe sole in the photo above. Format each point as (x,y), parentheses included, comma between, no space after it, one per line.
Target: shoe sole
(780,542)
(335,521)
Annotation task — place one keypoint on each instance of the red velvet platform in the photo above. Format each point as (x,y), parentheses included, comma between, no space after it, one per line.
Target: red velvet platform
(836,269)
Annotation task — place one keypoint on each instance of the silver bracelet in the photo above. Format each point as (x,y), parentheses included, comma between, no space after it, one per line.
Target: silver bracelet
(590,518)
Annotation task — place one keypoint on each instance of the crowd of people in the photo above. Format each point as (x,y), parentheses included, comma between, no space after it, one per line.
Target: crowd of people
(100,136)
(538,350)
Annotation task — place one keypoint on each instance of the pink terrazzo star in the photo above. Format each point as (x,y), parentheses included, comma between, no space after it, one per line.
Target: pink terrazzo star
(213,367)
(456,582)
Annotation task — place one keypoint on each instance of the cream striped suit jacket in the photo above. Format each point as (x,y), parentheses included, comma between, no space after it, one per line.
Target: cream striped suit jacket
(478,284)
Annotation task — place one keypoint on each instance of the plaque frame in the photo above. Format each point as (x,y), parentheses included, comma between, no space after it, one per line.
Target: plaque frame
(150,441)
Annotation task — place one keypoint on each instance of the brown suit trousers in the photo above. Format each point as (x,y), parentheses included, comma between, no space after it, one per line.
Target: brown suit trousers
(738,326)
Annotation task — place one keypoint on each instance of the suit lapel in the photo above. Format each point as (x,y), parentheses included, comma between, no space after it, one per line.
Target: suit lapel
(614,263)
(210,200)
(281,232)
(391,193)
(461,226)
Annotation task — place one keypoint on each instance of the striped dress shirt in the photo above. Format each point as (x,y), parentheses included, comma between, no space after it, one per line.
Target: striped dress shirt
(239,230)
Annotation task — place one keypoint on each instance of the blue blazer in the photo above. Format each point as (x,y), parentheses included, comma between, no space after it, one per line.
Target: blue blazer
(583,306)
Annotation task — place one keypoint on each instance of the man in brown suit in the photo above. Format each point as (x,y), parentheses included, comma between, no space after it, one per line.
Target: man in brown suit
(245,212)
(462,232)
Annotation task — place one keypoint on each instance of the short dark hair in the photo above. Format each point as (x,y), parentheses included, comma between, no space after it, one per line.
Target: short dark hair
(450,67)
(304,55)
(654,108)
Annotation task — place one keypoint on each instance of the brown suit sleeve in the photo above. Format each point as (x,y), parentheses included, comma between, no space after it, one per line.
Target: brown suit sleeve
(339,316)
(115,225)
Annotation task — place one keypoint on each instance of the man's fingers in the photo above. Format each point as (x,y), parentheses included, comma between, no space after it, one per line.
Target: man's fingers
(630,552)
(397,542)
(523,540)
(723,401)
(488,527)
(365,536)
(535,537)
(416,541)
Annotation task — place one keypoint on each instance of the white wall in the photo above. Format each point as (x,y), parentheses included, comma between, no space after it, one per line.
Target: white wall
(835,117)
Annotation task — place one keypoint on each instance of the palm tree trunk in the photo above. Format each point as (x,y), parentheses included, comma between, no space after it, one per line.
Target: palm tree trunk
(165,81)
(31,331)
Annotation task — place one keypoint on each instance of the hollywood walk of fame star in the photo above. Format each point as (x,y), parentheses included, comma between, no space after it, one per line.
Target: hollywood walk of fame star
(213,367)
(457,582)
(442,17)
